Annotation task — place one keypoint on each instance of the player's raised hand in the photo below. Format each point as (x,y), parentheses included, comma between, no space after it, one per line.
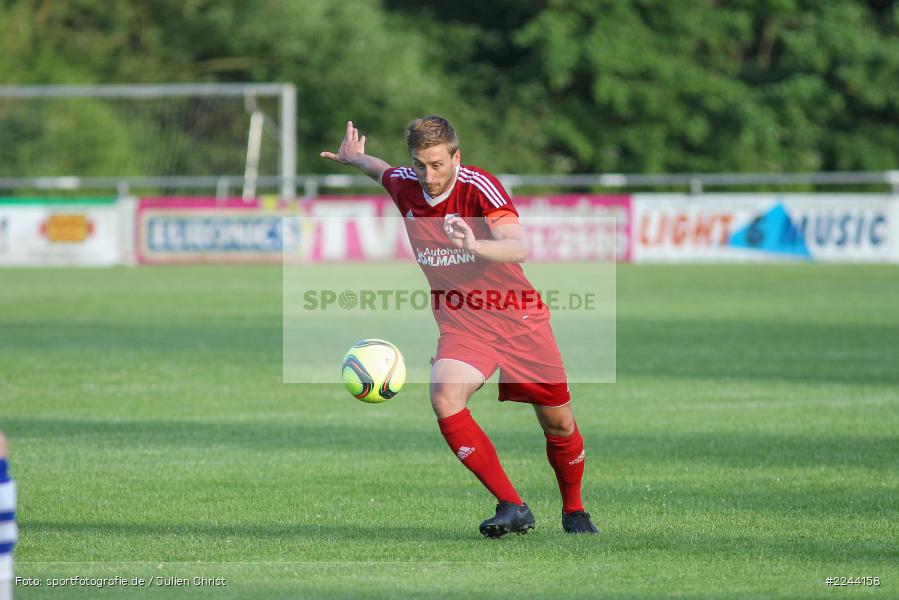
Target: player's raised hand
(351,148)
(460,233)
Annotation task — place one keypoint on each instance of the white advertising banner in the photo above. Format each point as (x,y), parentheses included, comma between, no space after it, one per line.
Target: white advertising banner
(894,224)
(765,227)
(59,233)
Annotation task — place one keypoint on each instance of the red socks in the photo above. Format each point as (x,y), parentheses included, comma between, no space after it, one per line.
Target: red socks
(472,446)
(566,455)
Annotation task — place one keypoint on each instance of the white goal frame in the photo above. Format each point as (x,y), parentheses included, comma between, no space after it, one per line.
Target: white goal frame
(285,92)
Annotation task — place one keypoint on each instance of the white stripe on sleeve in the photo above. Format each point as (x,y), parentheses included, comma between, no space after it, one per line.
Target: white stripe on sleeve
(486,186)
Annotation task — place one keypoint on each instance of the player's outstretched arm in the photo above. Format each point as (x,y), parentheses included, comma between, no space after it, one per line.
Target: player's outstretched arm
(352,152)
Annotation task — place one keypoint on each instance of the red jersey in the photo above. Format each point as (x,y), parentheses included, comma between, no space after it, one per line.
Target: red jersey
(469,295)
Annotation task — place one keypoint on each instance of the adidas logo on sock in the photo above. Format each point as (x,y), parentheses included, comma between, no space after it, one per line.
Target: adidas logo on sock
(464,452)
(578,459)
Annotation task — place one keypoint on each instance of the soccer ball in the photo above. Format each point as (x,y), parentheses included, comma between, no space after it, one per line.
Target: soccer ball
(374,370)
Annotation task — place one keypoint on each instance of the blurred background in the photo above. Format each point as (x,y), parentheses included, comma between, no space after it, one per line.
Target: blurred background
(560,86)
(559,97)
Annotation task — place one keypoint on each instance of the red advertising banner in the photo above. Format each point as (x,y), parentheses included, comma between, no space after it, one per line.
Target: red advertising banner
(204,230)
(577,227)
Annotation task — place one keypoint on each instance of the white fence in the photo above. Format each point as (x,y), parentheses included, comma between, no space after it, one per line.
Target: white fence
(224,186)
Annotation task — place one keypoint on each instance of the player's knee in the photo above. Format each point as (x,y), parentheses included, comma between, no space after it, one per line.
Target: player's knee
(446,401)
(562,426)
(560,430)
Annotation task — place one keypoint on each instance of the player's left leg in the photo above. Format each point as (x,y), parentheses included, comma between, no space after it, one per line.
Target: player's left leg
(565,451)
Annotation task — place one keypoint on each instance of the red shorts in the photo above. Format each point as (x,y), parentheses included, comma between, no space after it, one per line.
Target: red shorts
(530,366)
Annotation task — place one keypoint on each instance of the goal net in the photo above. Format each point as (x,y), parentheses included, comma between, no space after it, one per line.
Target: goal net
(150,131)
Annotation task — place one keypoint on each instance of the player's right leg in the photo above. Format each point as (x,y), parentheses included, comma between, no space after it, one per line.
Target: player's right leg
(452,384)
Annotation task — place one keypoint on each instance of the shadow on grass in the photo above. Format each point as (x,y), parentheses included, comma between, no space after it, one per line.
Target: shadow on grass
(738,449)
(758,351)
(330,532)
(248,340)
(721,349)
(337,538)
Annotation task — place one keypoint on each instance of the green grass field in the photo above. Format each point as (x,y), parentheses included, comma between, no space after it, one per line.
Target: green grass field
(750,448)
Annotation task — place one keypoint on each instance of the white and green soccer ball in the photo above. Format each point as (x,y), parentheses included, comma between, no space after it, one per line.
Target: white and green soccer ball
(374,370)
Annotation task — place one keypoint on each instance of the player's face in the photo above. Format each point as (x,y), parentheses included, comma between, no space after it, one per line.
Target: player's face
(435,168)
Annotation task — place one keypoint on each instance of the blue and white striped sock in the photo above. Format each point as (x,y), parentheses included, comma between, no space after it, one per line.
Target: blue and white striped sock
(9,533)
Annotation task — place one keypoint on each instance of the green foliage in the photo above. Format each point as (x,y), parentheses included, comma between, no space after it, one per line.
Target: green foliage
(104,144)
(557,86)
(690,86)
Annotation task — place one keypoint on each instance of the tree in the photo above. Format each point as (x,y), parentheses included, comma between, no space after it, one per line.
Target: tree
(532,86)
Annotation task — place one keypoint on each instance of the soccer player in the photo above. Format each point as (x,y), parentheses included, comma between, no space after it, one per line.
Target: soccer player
(8,531)
(468,241)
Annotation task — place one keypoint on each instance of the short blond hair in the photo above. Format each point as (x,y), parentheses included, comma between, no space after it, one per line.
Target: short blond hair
(431,131)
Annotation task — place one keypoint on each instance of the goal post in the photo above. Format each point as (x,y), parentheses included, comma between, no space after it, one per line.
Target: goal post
(240,130)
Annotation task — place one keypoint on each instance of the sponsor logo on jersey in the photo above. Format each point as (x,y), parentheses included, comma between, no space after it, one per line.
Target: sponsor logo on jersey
(442,257)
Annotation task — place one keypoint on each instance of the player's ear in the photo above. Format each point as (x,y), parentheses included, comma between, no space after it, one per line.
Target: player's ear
(457,157)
